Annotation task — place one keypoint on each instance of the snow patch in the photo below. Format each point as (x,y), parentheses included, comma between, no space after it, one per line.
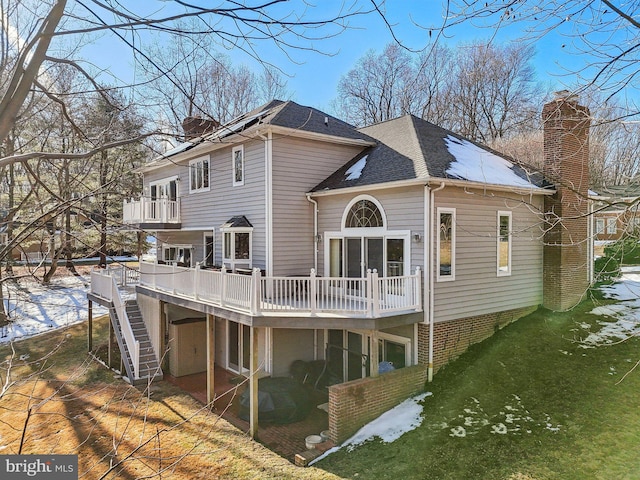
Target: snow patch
(34,308)
(475,164)
(514,419)
(623,316)
(389,426)
(355,171)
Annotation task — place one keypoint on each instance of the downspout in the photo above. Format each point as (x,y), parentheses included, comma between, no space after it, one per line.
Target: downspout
(268,200)
(268,227)
(432,269)
(315,231)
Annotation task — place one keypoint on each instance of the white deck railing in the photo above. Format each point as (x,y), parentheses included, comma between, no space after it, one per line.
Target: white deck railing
(123,275)
(147,210)
(105,285)
(371,296)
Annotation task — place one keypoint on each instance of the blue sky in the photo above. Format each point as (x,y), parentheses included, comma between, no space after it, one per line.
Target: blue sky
(313,77)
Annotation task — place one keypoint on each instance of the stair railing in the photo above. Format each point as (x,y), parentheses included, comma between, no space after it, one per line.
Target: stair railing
(133,345)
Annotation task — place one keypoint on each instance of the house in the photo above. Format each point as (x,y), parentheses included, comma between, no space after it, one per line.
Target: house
(616,211)
(288,235)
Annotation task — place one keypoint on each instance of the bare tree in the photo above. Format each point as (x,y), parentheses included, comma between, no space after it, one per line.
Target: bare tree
(480,90)
(377,88)
(494,94)
(602,35)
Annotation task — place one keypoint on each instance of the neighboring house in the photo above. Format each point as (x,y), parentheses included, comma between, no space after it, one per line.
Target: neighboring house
(39,244)
(616,211)
(290,235)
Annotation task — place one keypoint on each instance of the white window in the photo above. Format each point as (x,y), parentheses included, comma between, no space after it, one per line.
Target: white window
(504,243)
(237,155)
(237,248)
(180,255)
(199,175)
(600,225)
(4,239)
(446,244)
(165,188)
(612,225)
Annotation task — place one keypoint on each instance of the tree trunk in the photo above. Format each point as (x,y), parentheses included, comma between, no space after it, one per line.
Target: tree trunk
(103,210)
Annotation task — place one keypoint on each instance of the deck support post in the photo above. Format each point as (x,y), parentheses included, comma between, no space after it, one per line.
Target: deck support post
(110,344)
(374,364)
(211,345)
(90,327)
(253,383)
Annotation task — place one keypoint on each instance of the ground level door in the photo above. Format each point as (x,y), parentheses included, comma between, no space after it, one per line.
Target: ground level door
(238,347)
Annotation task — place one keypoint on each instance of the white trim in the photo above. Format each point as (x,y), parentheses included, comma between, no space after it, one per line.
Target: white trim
(499,271)
(237,148)
(231,261)
(177,246)
(400,340)
(385,235)
(357,199)
(436,182)
(163,181)
(268,203)
(195,164)
(452,276)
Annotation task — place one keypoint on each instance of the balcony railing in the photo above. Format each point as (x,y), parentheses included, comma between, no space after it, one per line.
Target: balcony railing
(254,294)
(148,210)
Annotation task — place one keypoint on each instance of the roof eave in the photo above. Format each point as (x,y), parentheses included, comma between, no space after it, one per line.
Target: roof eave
(433,181)
(294,132)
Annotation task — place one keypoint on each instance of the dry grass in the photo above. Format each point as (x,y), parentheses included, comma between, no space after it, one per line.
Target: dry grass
(77,407)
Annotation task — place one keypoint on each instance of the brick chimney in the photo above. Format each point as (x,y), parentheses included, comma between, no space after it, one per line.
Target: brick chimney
(195,126)
(566,164)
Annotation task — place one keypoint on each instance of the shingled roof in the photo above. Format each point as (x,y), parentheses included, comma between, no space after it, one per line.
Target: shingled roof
(288,115)
(411,148)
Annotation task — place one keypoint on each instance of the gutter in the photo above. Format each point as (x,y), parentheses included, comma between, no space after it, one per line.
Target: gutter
(315,231)
(447,182)
(432,268)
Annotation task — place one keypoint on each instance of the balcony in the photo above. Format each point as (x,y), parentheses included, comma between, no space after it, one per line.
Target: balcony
(271,301)
(159,213)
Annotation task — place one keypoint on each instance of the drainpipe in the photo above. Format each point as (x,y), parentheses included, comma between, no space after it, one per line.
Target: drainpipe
(315,231)
(432,268)
(268,200)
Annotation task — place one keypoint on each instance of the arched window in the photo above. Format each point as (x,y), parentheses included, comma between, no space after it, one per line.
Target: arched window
(364,213)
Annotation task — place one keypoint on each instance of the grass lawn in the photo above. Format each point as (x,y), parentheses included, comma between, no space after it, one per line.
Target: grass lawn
(528,403)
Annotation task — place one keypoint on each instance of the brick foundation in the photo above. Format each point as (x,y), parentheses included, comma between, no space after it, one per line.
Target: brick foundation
(356,403)
(452,338)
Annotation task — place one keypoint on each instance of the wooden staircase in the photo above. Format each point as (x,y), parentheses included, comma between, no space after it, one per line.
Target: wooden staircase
(149,367)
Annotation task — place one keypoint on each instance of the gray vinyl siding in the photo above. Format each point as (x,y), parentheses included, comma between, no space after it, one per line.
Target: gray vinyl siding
(477,289)
(207,211)
(177,237)
(299,347)
(403,208)
(298,166)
